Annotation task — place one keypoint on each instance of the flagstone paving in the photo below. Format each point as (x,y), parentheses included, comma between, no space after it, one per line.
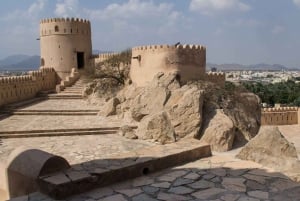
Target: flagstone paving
(229,179)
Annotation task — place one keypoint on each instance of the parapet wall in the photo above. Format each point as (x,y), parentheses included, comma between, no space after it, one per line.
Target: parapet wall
(188,60)
(280,116)
(102,57)
(18,88)
(216,77)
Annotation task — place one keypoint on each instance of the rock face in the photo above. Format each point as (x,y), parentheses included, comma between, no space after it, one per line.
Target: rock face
(110,107)
(244,110)
(157,127)
(166,110)
(270,148)
(219,131)
(127,132)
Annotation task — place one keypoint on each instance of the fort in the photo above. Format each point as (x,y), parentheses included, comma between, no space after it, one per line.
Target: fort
(80,147)
(65,44)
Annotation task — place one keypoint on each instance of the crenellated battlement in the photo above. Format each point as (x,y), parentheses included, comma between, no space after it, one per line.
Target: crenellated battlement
(187,60)
(51,20)
(186,47)
(18,88)
(280,116)
(216,77)
(280,109)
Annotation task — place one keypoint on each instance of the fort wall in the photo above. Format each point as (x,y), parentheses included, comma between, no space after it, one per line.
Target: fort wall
(19,88)
(102,57)
(65,44)
(280,116)
(216,77)
(188,60)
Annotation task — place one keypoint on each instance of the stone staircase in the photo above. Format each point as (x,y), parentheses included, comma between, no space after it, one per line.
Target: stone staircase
(71,92)
(59,132)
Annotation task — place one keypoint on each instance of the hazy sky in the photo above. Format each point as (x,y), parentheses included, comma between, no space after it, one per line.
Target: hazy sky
(234,31)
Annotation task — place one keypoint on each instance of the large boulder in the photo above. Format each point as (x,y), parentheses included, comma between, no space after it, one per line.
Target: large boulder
(218,131)
(271,149)
(185,109)
(149,101)
(157,127)
(245,112)
(110,107)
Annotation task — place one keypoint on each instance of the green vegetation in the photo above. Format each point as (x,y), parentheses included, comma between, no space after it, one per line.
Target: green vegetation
(116,67)
(283,92)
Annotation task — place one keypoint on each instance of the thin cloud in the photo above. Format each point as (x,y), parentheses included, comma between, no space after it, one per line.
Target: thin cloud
(278,29)
(210,7)
(67,8)
(297,3)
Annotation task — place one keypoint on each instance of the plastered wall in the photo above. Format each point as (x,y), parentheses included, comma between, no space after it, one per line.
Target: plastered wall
(280,116)
(188,60)
(18,88)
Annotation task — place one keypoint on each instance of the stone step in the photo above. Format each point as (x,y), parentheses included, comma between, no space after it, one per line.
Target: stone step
(63,130)
(65,113)
(65,96)
(83,177)
(51,134)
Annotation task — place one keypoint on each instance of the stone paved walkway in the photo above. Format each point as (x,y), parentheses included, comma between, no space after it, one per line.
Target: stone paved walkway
(217,178)
(76,149)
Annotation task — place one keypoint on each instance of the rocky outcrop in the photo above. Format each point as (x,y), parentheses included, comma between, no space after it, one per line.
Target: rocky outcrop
(271,149)
(110,107)
(127,132)
(104,88)
(244,110)
(157,127)
(166,110)
(218,131)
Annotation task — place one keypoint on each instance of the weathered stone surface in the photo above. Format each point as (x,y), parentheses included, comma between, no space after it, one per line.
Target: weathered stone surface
(185,109)
(170,196)
(162,185)
(202,184)
(118,197)
(234,184)
(150,100)
(127,132)
(244,110)
(206,194)
(130,192)
(259,194)
(180,190)
(219,132)
(270,148)
(110,107)
(157,127)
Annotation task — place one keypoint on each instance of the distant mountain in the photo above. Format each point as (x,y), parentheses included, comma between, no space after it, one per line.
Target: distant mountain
(258,67)
(13,59)
(20,63)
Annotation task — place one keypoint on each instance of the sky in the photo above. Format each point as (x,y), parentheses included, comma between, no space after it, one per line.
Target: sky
(234,31)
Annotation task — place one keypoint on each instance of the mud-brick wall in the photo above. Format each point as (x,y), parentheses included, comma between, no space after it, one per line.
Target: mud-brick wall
(18,88)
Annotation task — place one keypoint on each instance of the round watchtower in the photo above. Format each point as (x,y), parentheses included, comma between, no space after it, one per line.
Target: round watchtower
(188,60)
(65,44)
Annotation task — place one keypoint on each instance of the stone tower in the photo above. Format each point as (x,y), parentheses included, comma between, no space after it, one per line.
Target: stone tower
(189,61)
(65,44)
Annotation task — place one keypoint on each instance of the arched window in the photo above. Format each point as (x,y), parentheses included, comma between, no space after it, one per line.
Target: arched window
(56,29)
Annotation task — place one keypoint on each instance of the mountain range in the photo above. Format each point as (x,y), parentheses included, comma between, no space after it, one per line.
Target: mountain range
(20,62)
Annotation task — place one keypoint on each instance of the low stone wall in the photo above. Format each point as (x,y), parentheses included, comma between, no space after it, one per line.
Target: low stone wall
(280,116)
(19,88)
